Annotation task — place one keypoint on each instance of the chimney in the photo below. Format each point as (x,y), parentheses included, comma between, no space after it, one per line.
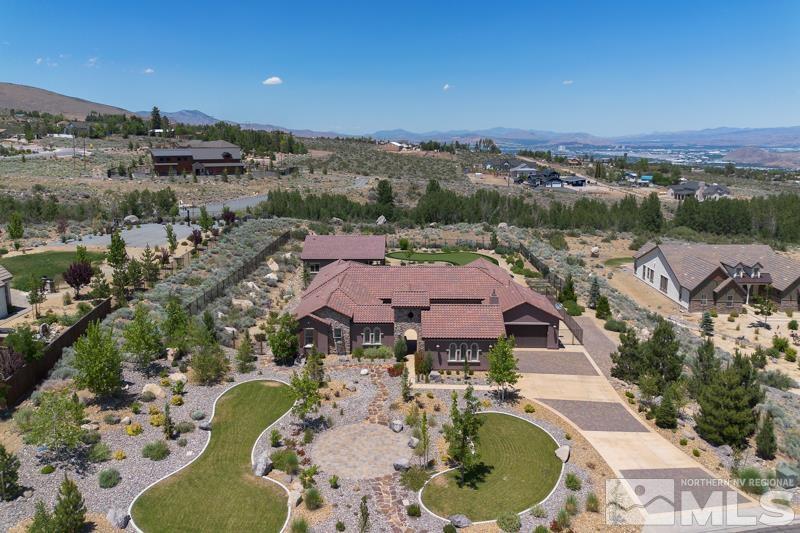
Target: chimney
(493,299)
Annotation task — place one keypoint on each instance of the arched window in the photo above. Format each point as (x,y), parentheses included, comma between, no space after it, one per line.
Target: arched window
(464,351)
(475,353)
(452,354)
(377,336)
(367,336)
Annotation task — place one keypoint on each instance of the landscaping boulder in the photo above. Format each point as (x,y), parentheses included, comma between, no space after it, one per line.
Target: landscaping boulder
(459,521)
(788,476)
(295,497)
(401,465)
(178,376)
(435,376)
(156,390)
(381,220)
(118,518)
(131,219)
(688,435)
(229,330)
(725,450)
(91,426)
(502,225)
(263,465)
(396,425)
(126,421)
(336,221)
(413,442)
(171,353)
(364,372)
(350,387)
(205,425)
(562,452)
(272,264)
(242,303)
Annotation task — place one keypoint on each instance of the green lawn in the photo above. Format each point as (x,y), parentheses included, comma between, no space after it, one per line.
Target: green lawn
(50,264)
(617,261)
(520,469)
(218,492)
(454,258)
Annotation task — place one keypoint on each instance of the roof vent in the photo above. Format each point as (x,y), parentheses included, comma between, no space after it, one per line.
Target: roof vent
(493,299)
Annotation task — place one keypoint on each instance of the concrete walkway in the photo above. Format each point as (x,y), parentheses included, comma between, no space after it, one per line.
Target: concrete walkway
(574,383)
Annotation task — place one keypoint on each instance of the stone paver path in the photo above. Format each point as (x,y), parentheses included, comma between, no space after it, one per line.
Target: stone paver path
(360,451)
(377,408)
(389,502)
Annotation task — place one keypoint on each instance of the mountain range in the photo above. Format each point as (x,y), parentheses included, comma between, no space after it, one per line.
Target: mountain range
(23,97)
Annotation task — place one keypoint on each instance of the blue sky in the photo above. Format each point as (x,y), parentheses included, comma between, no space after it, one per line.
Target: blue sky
(606,68)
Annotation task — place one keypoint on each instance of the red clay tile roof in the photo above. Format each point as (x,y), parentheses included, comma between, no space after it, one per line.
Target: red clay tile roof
(410,299)
(347,247)
(373,314)
(343,286)
(462,321)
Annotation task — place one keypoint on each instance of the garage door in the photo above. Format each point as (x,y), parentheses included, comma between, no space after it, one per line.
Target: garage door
(528,336)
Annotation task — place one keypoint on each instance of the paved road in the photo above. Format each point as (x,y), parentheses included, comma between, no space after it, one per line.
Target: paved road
(152,234)
(235,204)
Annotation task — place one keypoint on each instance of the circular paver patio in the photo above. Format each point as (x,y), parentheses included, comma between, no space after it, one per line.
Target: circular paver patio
(360,451)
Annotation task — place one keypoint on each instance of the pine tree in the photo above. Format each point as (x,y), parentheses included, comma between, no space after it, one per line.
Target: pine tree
(9,475)
(99,288)
(142,338)
(42,520)
(424,438)
(69,513)
(169,424)
(405,387)
(204,220)
(363,516)
(661,354)
(503,364)
(603,309)
(594,293)
(461,433)
(155,119)
(707,325)
(766,445)
(135,274)
(150,266)
(172,239)
(98,361)
(14,227)
(244,354)
(627,360)
(666,414)
(650,214)
(400,349)
(567,293)
(116,255)
(705,368)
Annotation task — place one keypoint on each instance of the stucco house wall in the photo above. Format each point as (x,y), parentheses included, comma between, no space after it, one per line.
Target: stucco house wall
(438,350)
(656,261)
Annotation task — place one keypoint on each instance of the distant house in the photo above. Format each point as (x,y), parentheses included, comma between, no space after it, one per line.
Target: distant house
(199,158)
(574,181)
(725,277)
(5,292)
(699,189)
(321,250)
(502,164)
(523,171)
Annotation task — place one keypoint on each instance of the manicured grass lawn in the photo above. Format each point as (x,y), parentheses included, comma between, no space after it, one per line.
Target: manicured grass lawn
(520,469)
(617,261)
(454,258)
(218,492)
(50,264)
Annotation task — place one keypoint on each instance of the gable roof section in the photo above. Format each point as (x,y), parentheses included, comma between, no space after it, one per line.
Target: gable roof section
(475,321)
(347,247)
(411,298)
(5,275)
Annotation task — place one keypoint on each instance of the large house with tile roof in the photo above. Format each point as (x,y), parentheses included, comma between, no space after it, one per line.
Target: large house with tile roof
(455,313)
(723,276)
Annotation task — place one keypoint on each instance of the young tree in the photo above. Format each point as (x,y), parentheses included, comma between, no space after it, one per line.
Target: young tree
(229,217)
(385,194)
(204,220)
(424,438)
(169,424)
(42,520)
(282,336)
(209,325)
(766,445)
(35,294)
(650,215)
(172,239)
(196,238)
(99,288)
(14,227)
(150,266)
(400,349)
(142,338)
(405,386)
(209,364)
(9,475)
(135,274)
(98,361)
(764,305)
(705,368)
(69,513)
(661,354)
(305,390)
(23,341)
(594,293)
(82,255)
(567,293)
(56,423)
(602,308)
(503,365)
(78,275)
(666,414)
(461,433)
(707,325)
(627,360)
(116,255)
(363,516)
(244,354)
(315,368)
(119,285)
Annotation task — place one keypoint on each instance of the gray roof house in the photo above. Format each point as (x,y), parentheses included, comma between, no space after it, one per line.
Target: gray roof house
(699,189)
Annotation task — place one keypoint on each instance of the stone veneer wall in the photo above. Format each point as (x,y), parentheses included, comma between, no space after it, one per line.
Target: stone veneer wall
(403,323)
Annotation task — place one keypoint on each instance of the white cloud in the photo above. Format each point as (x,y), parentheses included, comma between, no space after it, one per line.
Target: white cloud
(148,71)
(447,87)
(567,82)
(272,80)
(91,62)
(39,61)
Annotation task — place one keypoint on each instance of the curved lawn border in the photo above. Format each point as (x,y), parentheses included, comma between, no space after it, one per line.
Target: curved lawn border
(208,440)
(437,474)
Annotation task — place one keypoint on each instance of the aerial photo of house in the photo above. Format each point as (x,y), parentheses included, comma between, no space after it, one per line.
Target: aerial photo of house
(321,250)
(198,157)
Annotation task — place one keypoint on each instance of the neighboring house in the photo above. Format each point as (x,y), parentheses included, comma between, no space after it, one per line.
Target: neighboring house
(523,171)
(455,313)
(199,158)
(502,164)
(5,292)
(545,178)
(321,250)
(725,276)
(574,181)
(698,189)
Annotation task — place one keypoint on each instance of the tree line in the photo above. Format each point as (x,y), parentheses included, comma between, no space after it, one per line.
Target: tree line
(258,142)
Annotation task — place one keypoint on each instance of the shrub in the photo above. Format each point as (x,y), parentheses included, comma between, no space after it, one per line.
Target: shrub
(275,438)
(184,427)
(615,325)
(414,478)
(571,505)
(696,452)
(573,482)
(308,436)
(562,521)
(198,415)
(790,354)
(776,379)
(182,442)
(111,419)
(147,396)
(285,460)
(109,478)
(414,510)
(90,437)
(177,401)
(157,420)
(780,343)
(684,442)
(136,408)
(299,525)
(134,429)
(340,525)
(47,469)
(99,453)
(793,325)
(567,436)
(509,521)
(313,499)
(119,455)
(573,308)
(156,450)
(449,528)
(541,529)
(529,408)
(592,503)
(752,481)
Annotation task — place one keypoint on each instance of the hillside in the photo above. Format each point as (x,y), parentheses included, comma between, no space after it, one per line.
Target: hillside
(750,155)
(13,96)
